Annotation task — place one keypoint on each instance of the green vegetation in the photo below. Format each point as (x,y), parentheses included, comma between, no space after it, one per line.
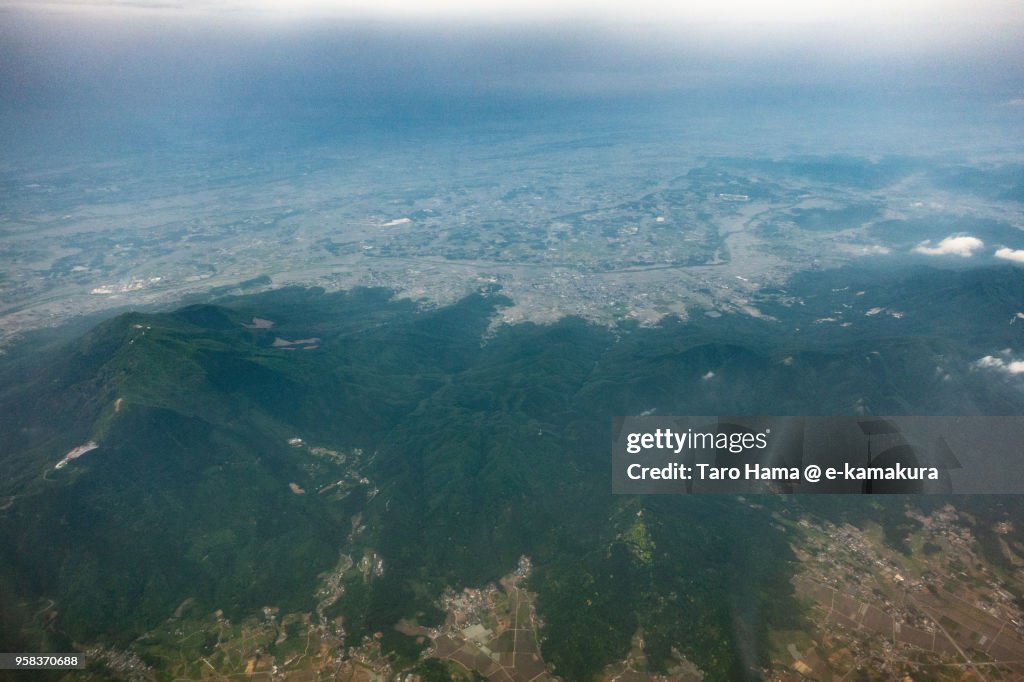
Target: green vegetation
(477,450)
(433,670)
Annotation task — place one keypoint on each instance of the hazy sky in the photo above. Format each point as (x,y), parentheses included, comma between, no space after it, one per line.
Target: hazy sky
(124,54)
(649,39)
(956,13)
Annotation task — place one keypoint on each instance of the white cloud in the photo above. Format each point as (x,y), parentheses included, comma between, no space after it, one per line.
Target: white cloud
(1005,362)
(908,18)
(1016,255)
(956,245)
(710,375)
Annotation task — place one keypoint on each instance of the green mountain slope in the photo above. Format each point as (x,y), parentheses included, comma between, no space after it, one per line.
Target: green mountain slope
(447,452)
